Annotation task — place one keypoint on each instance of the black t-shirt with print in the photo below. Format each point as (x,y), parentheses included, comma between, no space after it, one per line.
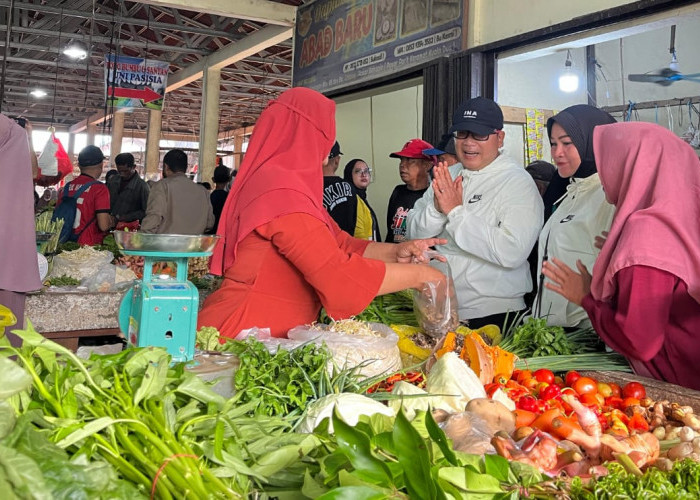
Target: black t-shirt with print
(340,199)
(400,203)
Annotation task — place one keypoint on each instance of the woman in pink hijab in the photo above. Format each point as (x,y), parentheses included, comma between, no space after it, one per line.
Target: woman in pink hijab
(19,269)
(644,296)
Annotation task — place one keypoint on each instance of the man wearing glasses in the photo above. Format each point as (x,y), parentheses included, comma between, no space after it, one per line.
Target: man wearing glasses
(489,209)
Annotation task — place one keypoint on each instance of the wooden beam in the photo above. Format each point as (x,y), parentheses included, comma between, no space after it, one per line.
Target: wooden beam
(232,53)
(252,10)
(511,114)
(678,101)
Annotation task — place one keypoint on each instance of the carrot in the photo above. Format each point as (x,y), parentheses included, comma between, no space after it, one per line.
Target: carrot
(524,418)
(544,421)
(563,427)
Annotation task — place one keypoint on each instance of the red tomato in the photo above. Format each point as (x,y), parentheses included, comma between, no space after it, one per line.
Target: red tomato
(523,375)
(530,383)
(614,402)
(544,375)
(634,390)
(514,375)
(616,391)
(550,392)
(604,389)
(571,377)
(585,385)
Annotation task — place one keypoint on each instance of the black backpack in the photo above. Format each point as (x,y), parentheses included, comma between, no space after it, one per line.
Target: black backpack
(66,211)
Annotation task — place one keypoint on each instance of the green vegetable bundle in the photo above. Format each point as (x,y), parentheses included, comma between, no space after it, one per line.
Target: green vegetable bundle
(681,483)
(158,427)
(534,338)
(390,309)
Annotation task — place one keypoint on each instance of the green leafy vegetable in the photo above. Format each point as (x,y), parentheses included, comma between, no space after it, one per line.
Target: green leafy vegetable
(534,338)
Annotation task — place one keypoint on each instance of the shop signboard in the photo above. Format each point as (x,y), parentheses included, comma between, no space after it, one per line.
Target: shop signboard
(133,82)
(343,42)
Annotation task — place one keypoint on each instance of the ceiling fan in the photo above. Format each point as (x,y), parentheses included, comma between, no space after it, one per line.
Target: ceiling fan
(666,76)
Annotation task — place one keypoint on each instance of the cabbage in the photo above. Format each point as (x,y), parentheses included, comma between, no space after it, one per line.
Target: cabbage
(452,377)
(350,407)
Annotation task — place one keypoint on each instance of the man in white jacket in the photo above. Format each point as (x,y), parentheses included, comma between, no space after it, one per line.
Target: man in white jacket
(490,211)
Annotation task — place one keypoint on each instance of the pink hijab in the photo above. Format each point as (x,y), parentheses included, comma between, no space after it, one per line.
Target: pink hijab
(281,173)
(653,179)
(19,270)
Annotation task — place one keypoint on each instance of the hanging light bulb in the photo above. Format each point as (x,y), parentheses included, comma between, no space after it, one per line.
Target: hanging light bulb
(38,93)
(673,65)
(568,80)
(76,50)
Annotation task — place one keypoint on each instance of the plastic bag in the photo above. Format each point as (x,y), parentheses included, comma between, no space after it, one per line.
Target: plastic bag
(80,263)
(109,278)
(271,343)
(54,163)
(436,303)
(375,354)
(469,433)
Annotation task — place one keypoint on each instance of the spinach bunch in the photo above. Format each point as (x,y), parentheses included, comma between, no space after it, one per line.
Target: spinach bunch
(534,339)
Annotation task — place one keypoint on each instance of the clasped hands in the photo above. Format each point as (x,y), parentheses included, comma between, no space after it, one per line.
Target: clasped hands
(565,281)
(447,192)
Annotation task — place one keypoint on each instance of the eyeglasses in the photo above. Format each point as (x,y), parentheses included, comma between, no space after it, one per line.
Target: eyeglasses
(364,171)
(463,134)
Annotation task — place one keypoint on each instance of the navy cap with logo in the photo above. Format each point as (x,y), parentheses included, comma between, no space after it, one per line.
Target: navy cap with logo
(478,115)
(89,156)
(335,150)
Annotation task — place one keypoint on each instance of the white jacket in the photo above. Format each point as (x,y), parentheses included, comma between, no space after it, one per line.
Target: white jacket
(489,236)
(582,215)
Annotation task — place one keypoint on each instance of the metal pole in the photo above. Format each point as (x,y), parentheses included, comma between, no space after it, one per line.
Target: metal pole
(4,51)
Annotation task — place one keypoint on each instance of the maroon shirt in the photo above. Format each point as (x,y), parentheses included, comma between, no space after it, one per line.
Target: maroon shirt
(655,324)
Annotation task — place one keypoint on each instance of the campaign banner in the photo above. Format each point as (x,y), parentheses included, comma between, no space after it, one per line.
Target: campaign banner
(342,42)
(134,82)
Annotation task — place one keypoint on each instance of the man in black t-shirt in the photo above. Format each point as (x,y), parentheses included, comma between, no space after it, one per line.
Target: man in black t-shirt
(339,196)
(413,169)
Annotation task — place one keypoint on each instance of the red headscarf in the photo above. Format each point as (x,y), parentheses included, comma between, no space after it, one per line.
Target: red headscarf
(281,172)
(653,179)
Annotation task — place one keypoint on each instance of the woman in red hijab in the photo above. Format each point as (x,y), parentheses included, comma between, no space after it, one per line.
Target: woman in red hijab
(644,296)
(282,256)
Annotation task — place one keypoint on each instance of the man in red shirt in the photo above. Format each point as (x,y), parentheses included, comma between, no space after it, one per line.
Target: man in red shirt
(92,218)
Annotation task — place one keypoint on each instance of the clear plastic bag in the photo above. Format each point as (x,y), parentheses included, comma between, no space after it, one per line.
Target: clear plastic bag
(436,304)
(108,278)
(376,354)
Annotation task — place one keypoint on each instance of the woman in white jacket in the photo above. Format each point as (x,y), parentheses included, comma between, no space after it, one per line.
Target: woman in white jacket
(575,207)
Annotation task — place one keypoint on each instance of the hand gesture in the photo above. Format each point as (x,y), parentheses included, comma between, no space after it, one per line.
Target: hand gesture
(600,240)
(417,251)
(567,282)
(447,192)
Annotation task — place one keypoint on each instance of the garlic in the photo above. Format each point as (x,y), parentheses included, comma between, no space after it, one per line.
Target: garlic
(686,434)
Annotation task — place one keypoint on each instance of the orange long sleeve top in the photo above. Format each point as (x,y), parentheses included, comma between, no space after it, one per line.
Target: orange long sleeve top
(285,271)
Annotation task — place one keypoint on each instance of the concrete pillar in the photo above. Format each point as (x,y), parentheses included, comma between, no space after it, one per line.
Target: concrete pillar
(153,142)
(71,145)
(91,134)
(117,136)
(209,124)
(238,150)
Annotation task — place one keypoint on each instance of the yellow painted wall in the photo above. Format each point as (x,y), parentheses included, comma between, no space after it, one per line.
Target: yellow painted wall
(494,20)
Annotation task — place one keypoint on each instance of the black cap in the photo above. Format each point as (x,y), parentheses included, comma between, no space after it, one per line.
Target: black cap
(478,115)
(89,156)
(541,170)
(335,150)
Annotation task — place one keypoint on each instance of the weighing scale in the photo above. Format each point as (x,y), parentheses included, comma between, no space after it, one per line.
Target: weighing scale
(161,310)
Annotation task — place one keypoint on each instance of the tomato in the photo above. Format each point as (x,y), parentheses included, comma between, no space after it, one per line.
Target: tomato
(550,392)
(616,391)
(530,383)
(613,402)
(527,403)
(585,385)
(514,375)
(571,377)
(544,375)
(604,389)
(634,390)
(627,402)
(523,375)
